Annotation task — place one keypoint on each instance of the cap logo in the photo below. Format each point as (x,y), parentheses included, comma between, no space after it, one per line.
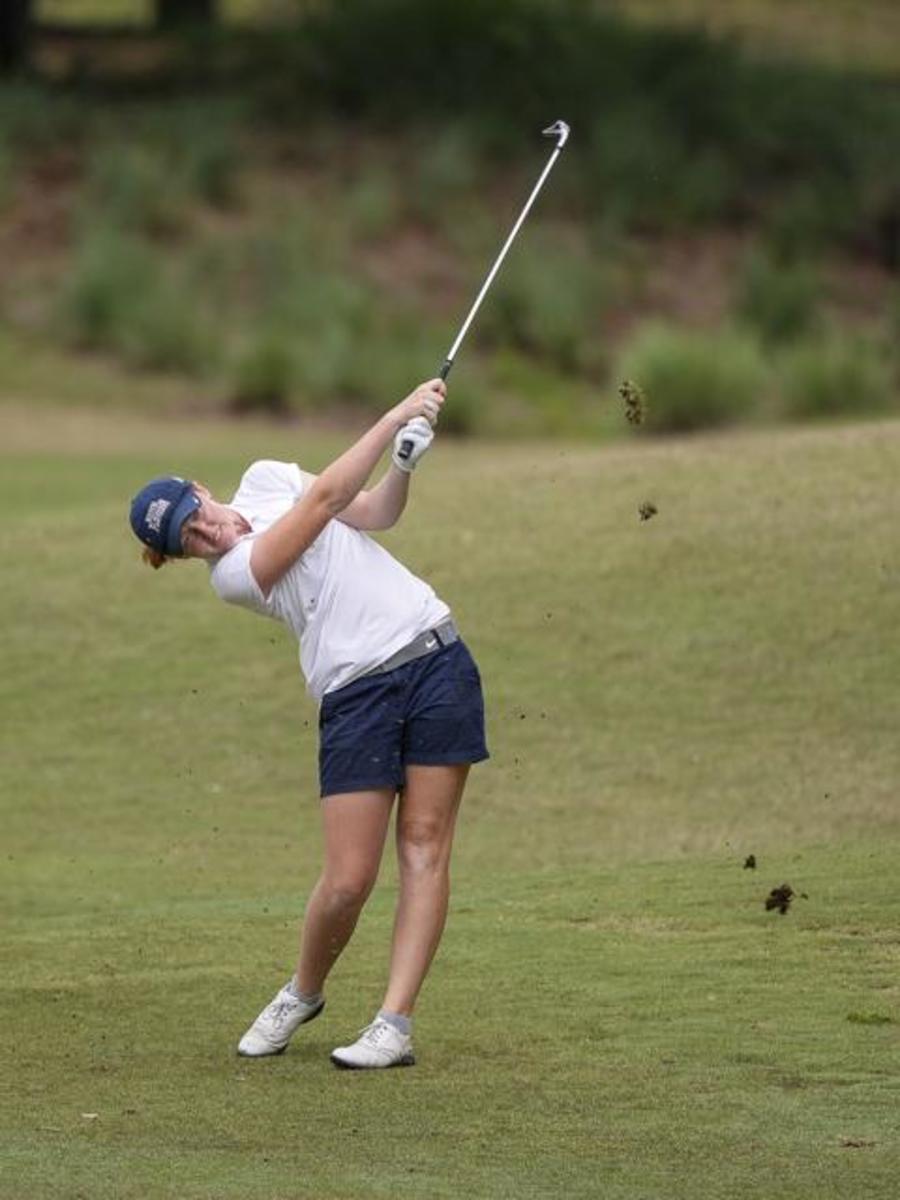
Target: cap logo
(155,513)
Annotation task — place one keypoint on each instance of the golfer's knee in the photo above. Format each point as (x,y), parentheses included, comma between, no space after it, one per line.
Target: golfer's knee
(422,848)
(348,890)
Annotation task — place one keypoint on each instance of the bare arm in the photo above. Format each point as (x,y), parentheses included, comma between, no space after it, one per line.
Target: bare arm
(275,551)
(382,506)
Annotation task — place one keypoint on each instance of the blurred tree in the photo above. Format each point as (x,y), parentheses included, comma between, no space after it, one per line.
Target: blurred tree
(15,26)
(185,12)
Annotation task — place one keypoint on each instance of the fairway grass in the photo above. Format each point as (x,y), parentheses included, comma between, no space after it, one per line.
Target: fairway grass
(613,1012)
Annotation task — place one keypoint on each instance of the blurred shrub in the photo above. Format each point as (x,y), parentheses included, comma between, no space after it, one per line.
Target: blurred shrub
(461,416)
(777,298)
(529,399)
(37,120)
(7,173)
(197,139)
(445,168)
(170,156)
(692,380)
(210,166)
(134,188)
(164,329)
(671,126)
(108,270)
(396,348)
(263,376)
(648,176)
(834,376)
(892,327)
(117,296)
(548,301)
(798,224)
(371,203)
(327,316)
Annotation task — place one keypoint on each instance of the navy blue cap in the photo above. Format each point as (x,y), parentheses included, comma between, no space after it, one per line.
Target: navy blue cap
(159,510)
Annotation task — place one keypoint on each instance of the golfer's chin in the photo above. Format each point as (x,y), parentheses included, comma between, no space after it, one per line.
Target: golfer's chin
(212,553)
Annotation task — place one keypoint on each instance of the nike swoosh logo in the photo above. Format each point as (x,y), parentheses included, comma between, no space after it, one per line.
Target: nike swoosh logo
(430,644)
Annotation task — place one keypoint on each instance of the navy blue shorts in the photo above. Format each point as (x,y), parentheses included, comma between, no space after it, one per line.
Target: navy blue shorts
(428,712)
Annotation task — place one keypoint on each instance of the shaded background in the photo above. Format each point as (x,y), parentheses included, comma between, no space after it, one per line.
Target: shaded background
(287,207)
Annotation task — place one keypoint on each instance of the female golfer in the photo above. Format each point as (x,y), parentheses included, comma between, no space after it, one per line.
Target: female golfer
(401,707)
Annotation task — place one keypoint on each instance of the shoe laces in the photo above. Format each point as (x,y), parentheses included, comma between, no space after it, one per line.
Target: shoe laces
(375,1033)
(278,1010)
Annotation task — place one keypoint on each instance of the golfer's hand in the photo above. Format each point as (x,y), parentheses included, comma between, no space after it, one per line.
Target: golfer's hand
(425,402)
(415,437)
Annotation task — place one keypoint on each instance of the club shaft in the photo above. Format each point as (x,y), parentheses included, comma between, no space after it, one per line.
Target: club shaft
(559,130)
(451,355)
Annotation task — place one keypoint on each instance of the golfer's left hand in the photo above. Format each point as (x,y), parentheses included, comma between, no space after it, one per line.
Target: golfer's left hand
(417,434)
(424,401)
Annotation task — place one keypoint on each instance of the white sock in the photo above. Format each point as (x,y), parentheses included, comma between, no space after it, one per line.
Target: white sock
(305,997)
(400,1023)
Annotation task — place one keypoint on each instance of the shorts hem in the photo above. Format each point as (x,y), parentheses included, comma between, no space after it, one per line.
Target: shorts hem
(359,785)
(446,760)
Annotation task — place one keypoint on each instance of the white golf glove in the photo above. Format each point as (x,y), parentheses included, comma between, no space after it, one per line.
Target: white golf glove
(415,437)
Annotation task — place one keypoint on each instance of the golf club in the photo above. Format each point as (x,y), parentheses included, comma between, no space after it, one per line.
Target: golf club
(560,131)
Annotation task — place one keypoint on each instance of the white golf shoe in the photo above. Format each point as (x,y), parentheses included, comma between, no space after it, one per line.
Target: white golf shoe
(379,1045)
(277,1024)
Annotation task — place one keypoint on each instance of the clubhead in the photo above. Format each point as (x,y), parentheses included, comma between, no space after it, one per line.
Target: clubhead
(558,130)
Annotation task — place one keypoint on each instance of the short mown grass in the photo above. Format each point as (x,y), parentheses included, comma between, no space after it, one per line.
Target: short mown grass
(613,1012)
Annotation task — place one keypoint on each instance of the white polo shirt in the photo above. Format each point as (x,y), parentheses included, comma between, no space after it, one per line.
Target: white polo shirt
(349,602)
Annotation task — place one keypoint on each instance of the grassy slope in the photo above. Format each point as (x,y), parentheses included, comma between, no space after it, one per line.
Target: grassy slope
(612,1012)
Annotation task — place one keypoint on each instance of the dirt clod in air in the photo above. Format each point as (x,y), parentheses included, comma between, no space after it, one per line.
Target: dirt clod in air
(647,510)
(750,862)
(635,403)
(780,898)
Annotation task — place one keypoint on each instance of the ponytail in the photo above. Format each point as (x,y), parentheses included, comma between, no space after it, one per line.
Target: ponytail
(154,558)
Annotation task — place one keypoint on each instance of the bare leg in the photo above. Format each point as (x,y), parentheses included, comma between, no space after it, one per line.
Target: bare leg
(355,825)
(426,819)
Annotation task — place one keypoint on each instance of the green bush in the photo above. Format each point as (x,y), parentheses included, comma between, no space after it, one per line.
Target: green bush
(445,169)
(893,323)
(371,203)
(777,298)
(547,302)
(134,188)
(693,380)
(38,120)
(7,174)
(382,358)
(461,416)
(198,141)
(118,296)
(671,126)
(837,376)
(108,271)
(209,167)
(164,329)
(263,376)
(799,225)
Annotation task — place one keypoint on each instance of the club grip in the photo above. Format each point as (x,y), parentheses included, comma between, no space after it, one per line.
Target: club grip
(406,446)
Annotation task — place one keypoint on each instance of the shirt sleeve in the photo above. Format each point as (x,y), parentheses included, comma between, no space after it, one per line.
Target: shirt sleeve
(267,478)
(233,580)
(231,576)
